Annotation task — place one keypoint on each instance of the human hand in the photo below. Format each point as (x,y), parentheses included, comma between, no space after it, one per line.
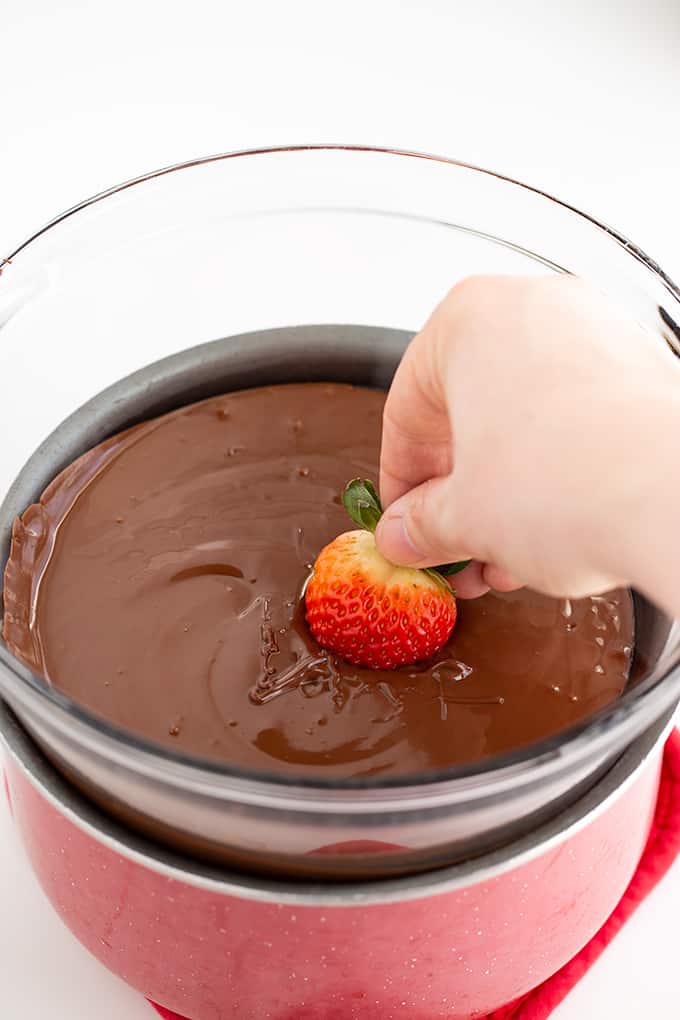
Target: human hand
(527,429)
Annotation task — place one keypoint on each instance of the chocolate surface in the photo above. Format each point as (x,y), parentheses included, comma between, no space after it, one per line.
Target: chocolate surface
(158,580)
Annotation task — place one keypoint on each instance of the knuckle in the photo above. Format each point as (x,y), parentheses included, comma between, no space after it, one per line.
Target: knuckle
(470,286)
(464,296)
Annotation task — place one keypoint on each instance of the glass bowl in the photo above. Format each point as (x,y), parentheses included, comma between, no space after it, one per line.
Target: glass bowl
(293,263)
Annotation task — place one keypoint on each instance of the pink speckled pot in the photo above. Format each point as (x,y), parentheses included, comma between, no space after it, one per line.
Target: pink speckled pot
(452,944)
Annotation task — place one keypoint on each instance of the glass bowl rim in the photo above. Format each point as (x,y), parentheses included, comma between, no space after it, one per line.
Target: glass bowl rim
(629,246)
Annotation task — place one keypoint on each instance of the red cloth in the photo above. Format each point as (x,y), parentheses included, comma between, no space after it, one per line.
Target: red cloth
(662,848)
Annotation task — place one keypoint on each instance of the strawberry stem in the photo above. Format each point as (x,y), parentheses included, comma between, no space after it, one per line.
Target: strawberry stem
(362,503)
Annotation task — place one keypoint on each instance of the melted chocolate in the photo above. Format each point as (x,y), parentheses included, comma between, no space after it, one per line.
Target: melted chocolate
(158,580)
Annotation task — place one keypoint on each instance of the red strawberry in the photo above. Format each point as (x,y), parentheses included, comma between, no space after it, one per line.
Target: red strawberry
(369,611)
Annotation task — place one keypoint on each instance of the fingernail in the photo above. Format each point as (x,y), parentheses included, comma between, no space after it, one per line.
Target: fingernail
(395,542)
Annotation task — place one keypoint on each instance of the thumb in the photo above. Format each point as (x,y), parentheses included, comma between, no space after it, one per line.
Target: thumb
(422,527)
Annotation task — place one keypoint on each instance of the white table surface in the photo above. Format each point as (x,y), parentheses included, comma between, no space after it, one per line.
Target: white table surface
(581,99)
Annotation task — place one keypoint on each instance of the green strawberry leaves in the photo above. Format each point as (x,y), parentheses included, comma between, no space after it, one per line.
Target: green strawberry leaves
(446,569)
(362,503)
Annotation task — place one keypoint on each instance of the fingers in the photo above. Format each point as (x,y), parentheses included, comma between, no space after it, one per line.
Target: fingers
(422,528)
(499,579)
(470,583)
(478,578)
(424,521)
(416,440)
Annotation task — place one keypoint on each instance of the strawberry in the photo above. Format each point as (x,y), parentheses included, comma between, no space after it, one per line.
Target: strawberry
(369,611)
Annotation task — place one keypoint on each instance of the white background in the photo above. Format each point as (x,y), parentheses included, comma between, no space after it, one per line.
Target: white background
(581,99)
